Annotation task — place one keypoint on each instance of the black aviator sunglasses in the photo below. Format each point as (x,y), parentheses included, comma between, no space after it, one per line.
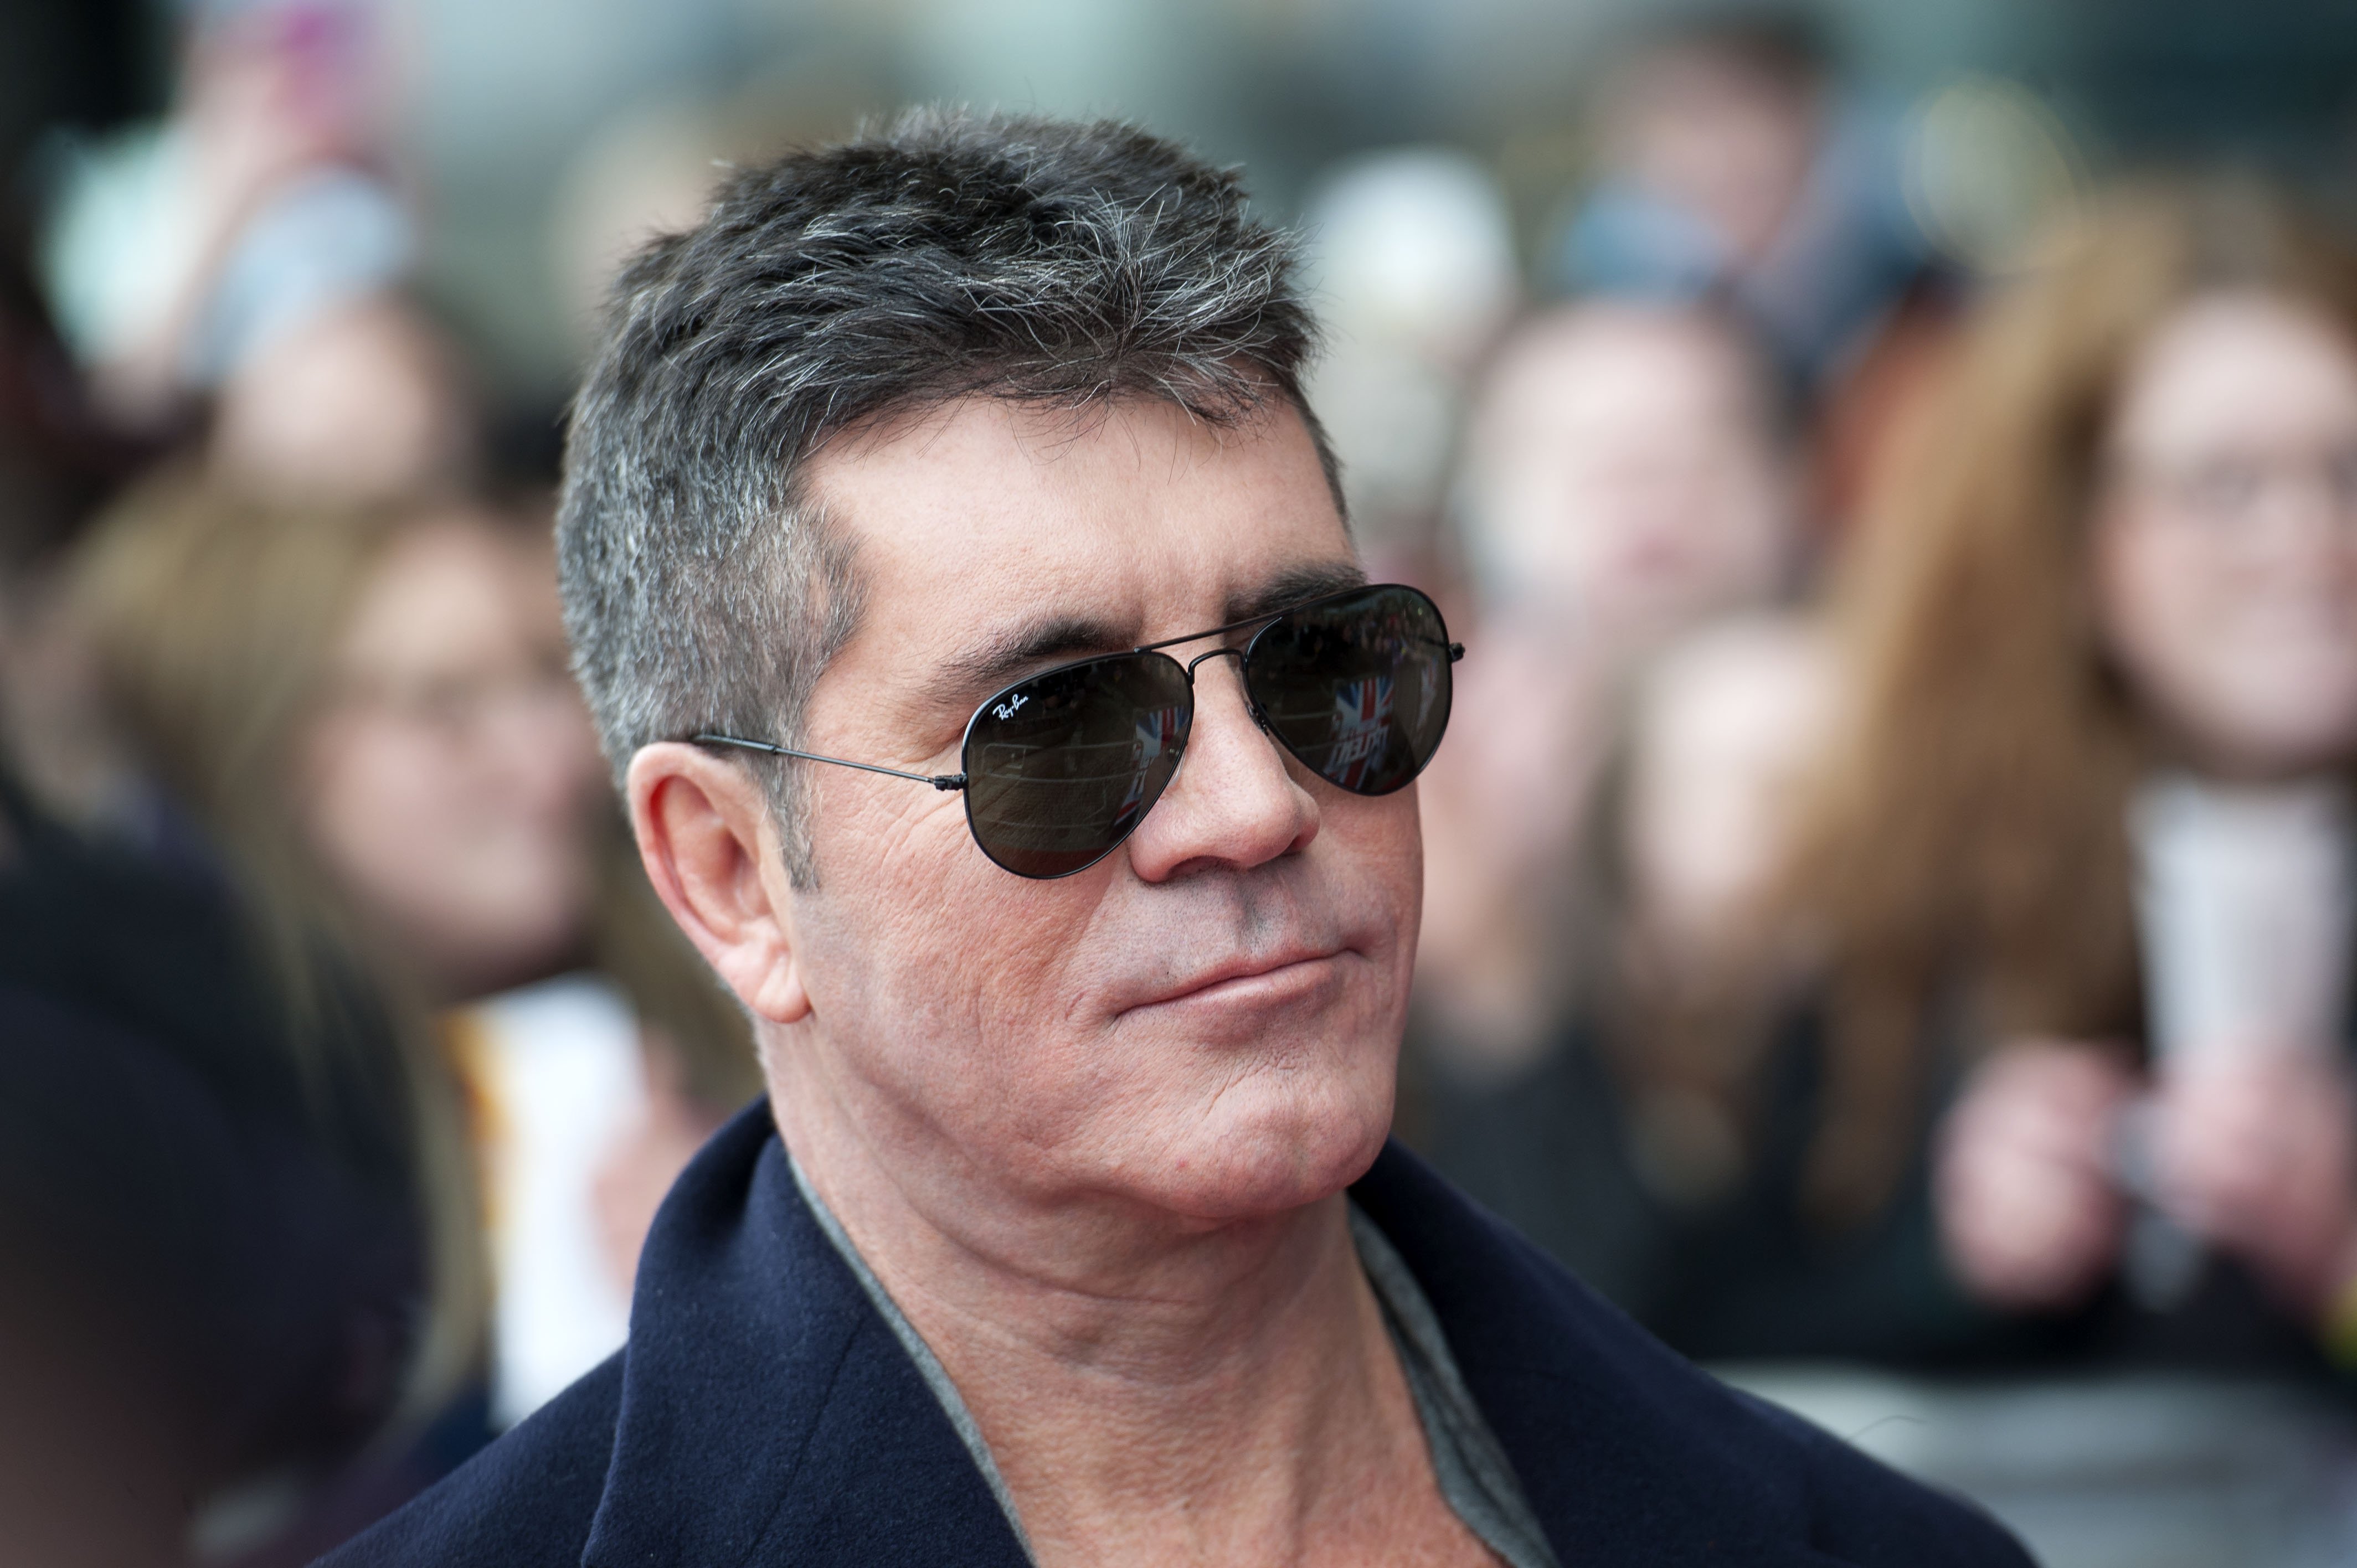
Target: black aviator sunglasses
(1060,767)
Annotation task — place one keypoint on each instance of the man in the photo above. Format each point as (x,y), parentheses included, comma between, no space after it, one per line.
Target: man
(1058,1239)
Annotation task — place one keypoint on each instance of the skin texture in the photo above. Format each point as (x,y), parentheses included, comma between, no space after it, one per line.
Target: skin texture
(448,779)
(1091,1134)
(2225,588)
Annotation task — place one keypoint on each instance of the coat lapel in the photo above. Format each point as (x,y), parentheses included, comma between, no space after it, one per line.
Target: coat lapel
(1624,1451)
(768,1415)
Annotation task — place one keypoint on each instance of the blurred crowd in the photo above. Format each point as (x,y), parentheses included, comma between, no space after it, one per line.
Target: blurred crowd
(1889,879)
(346,1051)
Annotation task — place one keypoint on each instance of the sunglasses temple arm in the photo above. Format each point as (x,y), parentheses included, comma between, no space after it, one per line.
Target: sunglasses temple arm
(937,780)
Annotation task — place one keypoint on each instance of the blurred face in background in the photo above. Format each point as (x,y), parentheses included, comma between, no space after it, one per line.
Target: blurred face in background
(1726,728)
(365,402)
(1624,477)
(2226,545)
(447,782)
(1727,138)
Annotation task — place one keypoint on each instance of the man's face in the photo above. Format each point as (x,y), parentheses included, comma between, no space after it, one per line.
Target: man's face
(1205,1022)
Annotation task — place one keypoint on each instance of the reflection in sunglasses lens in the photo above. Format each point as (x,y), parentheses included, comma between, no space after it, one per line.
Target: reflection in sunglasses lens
(1060,768)
(1358,688)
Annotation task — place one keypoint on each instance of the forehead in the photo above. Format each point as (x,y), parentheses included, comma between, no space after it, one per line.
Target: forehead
(1610,370)
(2235,367)
(445,589)
(1139,513)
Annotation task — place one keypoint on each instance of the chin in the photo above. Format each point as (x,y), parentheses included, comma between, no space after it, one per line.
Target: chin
(2276,742)
(1268,1146)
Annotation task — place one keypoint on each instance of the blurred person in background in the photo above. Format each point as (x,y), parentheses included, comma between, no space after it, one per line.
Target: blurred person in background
(246,259)
(1410,259)
(229,282)
(1630,727)
(366,714)
(58,460)
(367,401)
(1731,167)
(1613,1140)
(238,1304)
(1627,477)
(243,1293)
(1736,166)
(1689,837)
(2079,867)
(1628,474)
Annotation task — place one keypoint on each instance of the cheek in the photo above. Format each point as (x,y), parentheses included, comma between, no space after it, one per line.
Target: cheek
(2252,668)
(1383,838)
(976,1002)
(918,943)
(2164,614)
(411,831)
(377,803)
(2146,598)
(944,993)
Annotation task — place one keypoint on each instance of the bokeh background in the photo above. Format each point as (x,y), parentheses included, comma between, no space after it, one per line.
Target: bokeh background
(505,119)
(1891,881)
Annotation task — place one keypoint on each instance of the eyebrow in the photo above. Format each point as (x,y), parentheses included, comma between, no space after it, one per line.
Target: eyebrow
(996,660)
(1293,586)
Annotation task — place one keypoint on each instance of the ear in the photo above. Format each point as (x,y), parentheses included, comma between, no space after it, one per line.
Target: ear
(712,851)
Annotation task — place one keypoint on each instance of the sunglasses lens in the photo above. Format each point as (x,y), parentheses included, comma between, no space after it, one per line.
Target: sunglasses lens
(1060,768)
(1357,687)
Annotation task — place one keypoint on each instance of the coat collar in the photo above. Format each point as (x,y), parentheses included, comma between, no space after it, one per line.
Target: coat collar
(768,1415)
(1626,1451)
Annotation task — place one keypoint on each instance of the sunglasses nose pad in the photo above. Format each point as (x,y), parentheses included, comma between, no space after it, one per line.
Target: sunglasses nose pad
(1244,682)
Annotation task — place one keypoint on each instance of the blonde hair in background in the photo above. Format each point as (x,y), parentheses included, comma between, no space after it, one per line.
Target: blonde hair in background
(1967,845)
(214,620)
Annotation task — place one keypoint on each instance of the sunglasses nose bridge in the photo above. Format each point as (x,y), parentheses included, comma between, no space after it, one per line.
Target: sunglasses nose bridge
(1251,705)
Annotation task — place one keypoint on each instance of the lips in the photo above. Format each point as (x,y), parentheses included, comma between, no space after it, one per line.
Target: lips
(1237,974)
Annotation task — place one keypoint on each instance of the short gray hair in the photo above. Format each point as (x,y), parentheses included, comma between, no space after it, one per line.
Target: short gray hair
(951,254)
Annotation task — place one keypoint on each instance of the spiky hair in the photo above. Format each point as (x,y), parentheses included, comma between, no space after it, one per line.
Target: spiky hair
(949,255)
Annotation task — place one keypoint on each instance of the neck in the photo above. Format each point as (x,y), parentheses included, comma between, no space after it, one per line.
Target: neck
(1150,1386)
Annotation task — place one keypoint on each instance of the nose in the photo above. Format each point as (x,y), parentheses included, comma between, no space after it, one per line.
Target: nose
(1234,803)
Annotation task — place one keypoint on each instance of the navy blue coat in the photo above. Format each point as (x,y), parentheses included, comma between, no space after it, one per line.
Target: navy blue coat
(764,1414)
